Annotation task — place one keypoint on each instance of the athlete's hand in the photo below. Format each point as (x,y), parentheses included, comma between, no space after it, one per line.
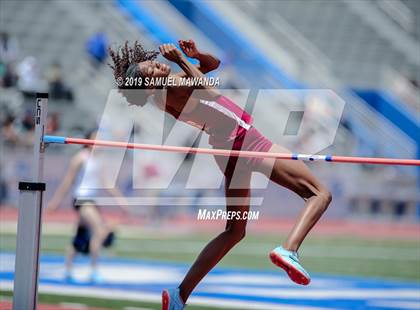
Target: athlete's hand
(189,48)
(171,52)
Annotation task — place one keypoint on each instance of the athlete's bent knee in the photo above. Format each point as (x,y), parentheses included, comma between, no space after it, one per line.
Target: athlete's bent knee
(326,196)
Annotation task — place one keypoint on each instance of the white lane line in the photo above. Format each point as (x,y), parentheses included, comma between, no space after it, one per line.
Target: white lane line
(150,297)
(317,293)
(130,273)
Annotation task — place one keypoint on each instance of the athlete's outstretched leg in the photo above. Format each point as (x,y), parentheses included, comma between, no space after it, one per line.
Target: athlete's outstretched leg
(237,200)
(296,176)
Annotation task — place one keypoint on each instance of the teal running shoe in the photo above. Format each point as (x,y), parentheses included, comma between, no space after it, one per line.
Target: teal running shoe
(96,278)
(171,300)
(68,276)
(289,261)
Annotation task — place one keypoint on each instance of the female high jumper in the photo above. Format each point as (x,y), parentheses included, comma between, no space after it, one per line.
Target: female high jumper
(228,127)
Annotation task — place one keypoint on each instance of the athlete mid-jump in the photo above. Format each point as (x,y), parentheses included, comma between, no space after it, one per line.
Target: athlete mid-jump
(229,127)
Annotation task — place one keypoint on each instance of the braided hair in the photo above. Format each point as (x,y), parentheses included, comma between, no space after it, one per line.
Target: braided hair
(125,64)
(126,59)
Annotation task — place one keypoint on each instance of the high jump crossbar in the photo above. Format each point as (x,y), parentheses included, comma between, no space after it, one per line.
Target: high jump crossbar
(236,153)
(25,289)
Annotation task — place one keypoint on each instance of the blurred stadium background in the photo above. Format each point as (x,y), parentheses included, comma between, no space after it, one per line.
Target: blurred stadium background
(366,250)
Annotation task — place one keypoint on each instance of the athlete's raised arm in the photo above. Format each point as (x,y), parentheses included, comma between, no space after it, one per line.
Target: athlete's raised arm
(207,61)
(172,53)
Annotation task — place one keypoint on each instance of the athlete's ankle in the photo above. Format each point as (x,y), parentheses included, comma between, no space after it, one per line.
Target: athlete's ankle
(182,296)
(290,247)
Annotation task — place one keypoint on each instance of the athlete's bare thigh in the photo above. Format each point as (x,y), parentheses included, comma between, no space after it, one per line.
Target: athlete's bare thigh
(292,174)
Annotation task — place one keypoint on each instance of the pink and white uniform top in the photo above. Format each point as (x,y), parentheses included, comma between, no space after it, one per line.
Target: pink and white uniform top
(222,119)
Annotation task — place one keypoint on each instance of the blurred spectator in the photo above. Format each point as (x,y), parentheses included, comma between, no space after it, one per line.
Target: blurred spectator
(8,55)
(8,77)
(30,78)
(19,131)
(9,49)
(96,47)
(9,135)
(57,87)
(53,123)
(414,82)
(28,121)
(3,187)
(27,129)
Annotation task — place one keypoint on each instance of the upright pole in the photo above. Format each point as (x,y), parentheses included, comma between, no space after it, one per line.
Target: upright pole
(25,288)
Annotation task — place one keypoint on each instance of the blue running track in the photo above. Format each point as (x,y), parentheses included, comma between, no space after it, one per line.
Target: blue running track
(226,288)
